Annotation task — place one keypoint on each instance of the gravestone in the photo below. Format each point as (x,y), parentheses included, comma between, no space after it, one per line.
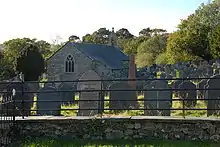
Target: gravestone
(21,94)
(67,93)
(33,86)
(163,75)
(209,70)
(216,72)
(189,95)
(88,107)
(48,93)
(201,86)
(206,93)
(173,73)
(169,76)
(175,85)
(181,74)
(167,69)
(213,83)
(157,95)
(3,86)
(124,96)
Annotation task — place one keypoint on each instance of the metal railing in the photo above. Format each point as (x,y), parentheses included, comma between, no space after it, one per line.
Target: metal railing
(145,101)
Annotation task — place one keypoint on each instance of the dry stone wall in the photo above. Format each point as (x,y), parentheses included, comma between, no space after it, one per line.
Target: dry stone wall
(120,128)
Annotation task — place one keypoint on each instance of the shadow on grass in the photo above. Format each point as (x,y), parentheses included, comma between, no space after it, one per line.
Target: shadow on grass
(115,143)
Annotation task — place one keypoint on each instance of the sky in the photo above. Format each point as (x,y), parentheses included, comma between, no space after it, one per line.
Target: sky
(46,19)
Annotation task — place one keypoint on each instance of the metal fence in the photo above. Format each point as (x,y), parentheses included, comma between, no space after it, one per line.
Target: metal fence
(147,97)
(7,122)
(150,97)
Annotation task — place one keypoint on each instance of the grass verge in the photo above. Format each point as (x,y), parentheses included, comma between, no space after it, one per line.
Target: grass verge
(116,143)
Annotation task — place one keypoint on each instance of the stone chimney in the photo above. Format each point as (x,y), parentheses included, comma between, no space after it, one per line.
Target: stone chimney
(132,71)
(113,39)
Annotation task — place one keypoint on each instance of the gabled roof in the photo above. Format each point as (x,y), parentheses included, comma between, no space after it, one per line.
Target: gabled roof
(108,55)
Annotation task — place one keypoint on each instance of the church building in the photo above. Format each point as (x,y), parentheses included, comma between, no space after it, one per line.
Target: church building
(73,60)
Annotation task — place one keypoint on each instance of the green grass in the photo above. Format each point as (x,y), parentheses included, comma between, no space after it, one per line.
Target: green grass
(175,104)
(116,143)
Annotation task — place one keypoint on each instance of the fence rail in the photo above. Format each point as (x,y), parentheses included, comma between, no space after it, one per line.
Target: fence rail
(116,80)
(148,101)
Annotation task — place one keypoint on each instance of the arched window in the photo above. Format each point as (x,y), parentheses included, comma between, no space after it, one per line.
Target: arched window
(69,64)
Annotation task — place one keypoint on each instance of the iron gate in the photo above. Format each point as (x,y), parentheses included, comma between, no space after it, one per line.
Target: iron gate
(7,119)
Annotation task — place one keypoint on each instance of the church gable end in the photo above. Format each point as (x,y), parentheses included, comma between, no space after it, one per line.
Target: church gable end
(68,62)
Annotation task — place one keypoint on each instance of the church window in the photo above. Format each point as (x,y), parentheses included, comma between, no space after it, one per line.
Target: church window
(69,64)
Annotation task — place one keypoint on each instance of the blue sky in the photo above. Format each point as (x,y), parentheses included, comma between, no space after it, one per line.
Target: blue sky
(45,19)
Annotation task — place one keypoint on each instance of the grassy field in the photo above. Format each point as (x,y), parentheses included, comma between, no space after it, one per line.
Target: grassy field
(116,143)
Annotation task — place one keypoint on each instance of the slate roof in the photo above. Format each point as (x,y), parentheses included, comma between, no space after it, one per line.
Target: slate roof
(109,55)
(106,54)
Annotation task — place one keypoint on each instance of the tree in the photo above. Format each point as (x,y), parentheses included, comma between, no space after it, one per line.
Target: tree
(148,32)
(57,40)
(193,35)
(6,69)
(145,32)
(74,38)
(162,58)
(156,31)
(144,59)
(1,54)
(215,42)
(124,34)
(44,48)
(13,48)
(31,63)
(148,51)
(175,51)
(101,36)
(88,38)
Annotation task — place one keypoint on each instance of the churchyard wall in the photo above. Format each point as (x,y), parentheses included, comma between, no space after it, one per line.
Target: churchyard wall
(138,127)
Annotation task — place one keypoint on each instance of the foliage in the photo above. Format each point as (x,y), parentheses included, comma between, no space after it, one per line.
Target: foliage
(215,42)
(74,38)
(87,38)
(192,39)
(6,69)
(162,58)
(100,36)
(30,63)
(148,32)
(149,50)
(124,34)
(13,48)
(174,48)
(1,54)
(44,48)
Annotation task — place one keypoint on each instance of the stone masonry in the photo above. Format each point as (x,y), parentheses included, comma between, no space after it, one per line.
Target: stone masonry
(146,127)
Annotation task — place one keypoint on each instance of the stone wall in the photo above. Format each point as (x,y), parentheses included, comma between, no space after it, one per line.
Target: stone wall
(82,63)
(120,128)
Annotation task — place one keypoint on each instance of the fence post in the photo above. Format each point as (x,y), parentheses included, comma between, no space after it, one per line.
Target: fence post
(13,101)
(183,101)
(100,111)
(22,94)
